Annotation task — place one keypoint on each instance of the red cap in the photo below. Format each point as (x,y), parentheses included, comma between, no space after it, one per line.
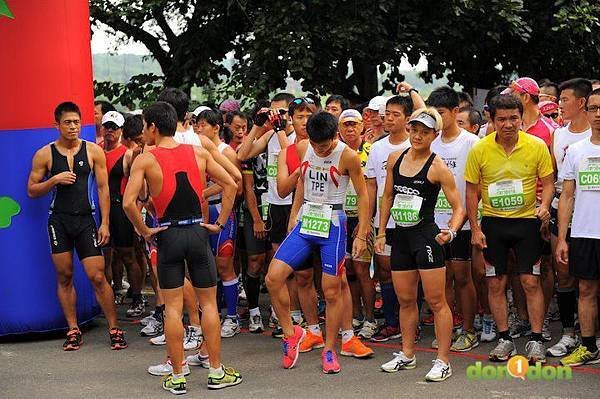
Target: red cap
(547,107)
(523,85)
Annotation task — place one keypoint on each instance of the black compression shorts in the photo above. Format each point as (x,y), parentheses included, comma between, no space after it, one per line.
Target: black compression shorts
(181,245)
(73,231)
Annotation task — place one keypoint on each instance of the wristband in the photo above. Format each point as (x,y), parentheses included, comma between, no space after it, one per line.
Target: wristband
(219,225)
(452,235)
(413,89)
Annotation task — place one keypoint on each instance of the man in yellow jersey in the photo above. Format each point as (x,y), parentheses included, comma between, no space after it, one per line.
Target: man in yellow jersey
(503,168)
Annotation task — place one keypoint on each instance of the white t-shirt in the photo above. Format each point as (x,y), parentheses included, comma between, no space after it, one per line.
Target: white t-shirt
(454,155)
(273,149)
(563,138)
(376,168)
(582,164)
(187,137)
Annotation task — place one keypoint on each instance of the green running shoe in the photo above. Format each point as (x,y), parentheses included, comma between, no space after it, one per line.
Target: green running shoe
(229,378)
(581,356)
(175,386)
(465,342)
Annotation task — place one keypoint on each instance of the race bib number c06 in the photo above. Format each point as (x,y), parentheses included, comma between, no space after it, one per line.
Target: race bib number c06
(588,176)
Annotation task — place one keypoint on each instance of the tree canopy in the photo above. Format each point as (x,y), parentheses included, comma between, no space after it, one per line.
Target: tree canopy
(340,46)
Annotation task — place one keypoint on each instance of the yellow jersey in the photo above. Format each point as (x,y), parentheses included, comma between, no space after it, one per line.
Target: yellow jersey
(508,182)
(351,205)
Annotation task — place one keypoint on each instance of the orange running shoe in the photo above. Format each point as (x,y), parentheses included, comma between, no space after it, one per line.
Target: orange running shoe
(356,348)
(311,341)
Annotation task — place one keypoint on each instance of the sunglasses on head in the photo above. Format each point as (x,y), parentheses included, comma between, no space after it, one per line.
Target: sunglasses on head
(301,100)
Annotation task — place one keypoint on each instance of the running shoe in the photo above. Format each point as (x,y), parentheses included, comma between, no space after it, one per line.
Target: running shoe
(546,334)
(478,322)
(428,320)
(434,343)
(565,345)
(229,378)
(74,340)
(277,332)
(311,341)
(465,342)
(457,320)
(330,362)
(291,346)
(198,360)
(357,324)
(119,298)
(399,362)
(519,328)
(439,372)
(368,330)
(230,327)
(158,340)
(488,332)
(117,339)
(535,352)
(386,333)
(175,386)
(355,348)
(153,328)
(136,309)
(192,339)
(146,320)
(503,351)
(166,368)
(256,324)
(581,356)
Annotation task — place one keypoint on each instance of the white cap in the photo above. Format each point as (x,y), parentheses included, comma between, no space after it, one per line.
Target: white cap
(425,119)
(350,115)
(201,108)
(377,103)
(114,117)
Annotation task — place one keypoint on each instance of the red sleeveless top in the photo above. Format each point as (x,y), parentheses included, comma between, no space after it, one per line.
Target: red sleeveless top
(181,193)
(291,158)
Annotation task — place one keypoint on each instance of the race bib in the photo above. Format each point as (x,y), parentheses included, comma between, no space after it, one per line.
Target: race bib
(405,210)
(506,195)
(588,177)
(272,166)
(442,205)
(351,204)
(316,219)
(264,206)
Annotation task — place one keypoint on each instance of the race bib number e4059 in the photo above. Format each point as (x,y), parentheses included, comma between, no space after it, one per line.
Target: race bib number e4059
(506,195)
(316,219)
(405,209)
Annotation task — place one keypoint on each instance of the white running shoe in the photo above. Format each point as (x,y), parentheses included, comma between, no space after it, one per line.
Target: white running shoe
(439,372)
(357,324)
(478,322)
(399,362)
(368,330)
(159,340)
(198,360)
(146,320)
(153,328)
(230,327)
(192,339)
(256,324)
(565,345)
(167,368)
(488,333)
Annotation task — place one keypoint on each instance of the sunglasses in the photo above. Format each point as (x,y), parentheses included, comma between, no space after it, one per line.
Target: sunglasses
(301,100)
(553,115)
(111,126)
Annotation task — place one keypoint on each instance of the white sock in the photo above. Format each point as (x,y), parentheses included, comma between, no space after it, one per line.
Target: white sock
(218,372)
(254,312)
(315,329)
(177,376)
(347,336)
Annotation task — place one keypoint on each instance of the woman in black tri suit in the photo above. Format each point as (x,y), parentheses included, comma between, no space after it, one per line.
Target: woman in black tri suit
(413,182)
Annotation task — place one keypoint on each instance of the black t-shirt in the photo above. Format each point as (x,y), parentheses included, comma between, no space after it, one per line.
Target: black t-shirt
(258,167)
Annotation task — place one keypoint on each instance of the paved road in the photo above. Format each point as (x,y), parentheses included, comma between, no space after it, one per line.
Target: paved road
(40,369)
